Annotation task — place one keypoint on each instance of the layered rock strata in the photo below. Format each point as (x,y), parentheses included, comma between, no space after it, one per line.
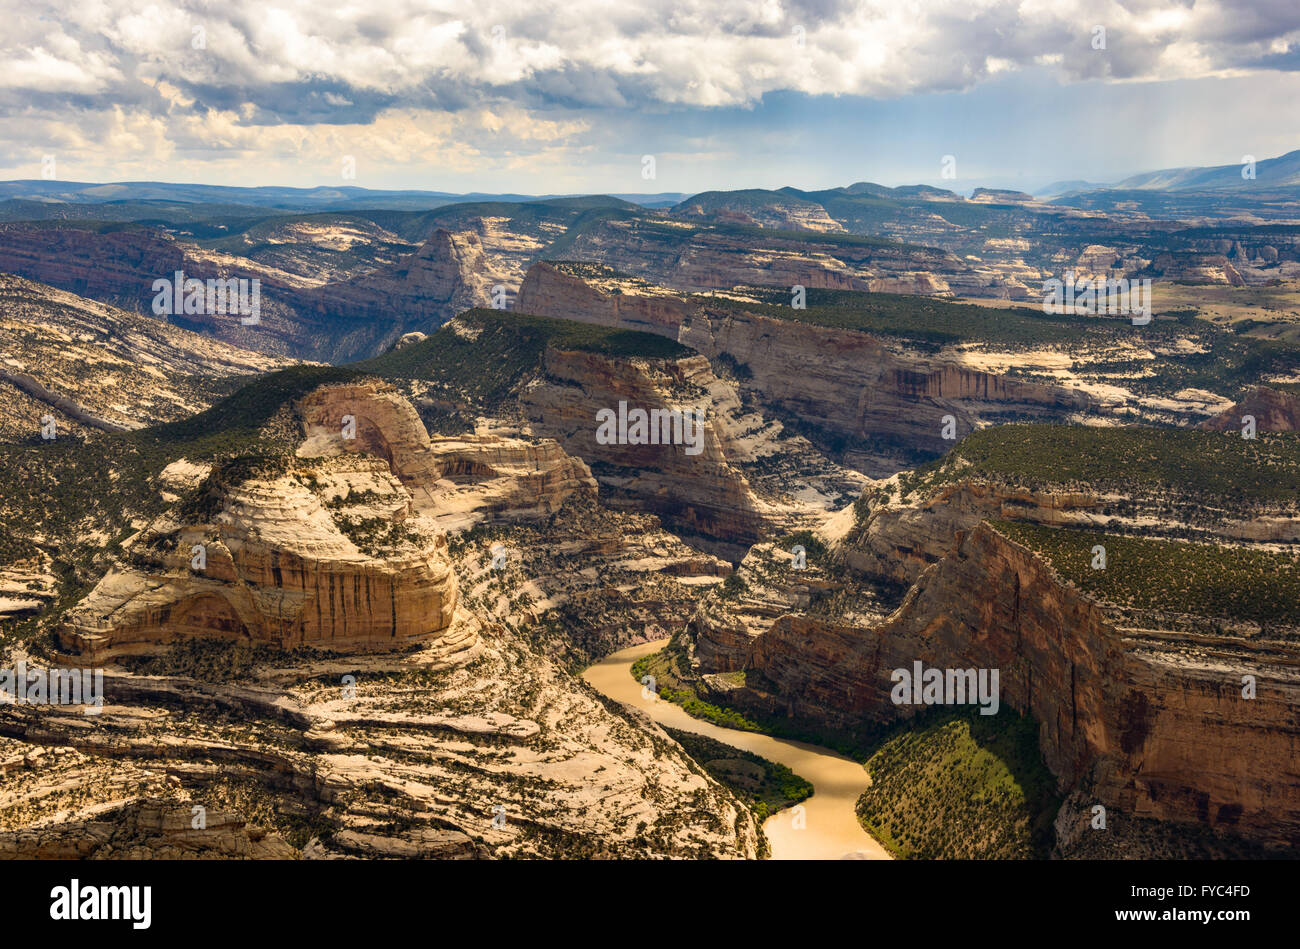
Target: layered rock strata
(1149,716)
(93,366)
(456,481)
(1137,707)
(447,274)
(689,481)
(702,258)
(898,538)
(299,316)
(1271,410)
(328,555)
(844,382)
(345,549)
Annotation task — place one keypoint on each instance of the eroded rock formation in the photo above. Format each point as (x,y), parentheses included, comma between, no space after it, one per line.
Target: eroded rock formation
(449,273)
(549,290)
(342,547)
(1137,705)
(325,555)
(1125,707)
(422,753)
(1271,409)
(852,384)
(457,481)
(844,382)
(693,486)
(94,366)
(687,258)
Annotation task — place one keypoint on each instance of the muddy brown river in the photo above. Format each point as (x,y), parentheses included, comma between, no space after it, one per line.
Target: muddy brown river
(827,827)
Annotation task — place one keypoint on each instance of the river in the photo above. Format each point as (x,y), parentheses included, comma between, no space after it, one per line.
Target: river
(830,825)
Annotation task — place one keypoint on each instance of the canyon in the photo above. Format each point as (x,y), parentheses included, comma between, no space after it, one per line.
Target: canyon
(338,682)
(1115,688)
(851,384)
(389,607)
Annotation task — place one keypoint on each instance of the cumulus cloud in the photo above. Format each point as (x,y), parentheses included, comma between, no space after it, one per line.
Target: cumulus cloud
(637,52)
(250,71)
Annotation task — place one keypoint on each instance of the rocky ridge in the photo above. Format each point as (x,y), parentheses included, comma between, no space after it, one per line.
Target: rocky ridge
(849,384)
(1271,409)
(1135,704)
(474,742)
(92,366)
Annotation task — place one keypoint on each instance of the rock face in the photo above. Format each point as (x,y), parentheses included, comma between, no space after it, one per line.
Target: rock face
(91,365)
(299,316)
(898,540)
(1137,708)
(1273,411)
(1196,268)
(489,476)
(550,291)
(147,830)
(690,258)
(454,481)
(1123,709)
(324,555)
(694,487)
(381,421)
(421,762)
(709,259)
(788,214)
(1000,196)
(448,274)
(343,547)
(118,266)
(849,383)
(340,545)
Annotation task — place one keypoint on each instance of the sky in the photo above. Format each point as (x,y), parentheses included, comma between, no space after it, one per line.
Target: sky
(642,95)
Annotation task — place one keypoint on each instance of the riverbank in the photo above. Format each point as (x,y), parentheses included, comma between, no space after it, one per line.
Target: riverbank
(825,826)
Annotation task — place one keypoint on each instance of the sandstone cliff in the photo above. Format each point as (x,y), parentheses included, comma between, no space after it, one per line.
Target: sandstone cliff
(324,555)
(600,295)
(343,547)
(688,257)
(1273,411)
(91,365)
(299,315)
(852,384)
(700,492)
(115,267)
(848,384)
(357,748)
(120,267)
(1138,693)
(455,481)
(1196,268)
(1136,711)
(782,213)
(448,274)
(899,538)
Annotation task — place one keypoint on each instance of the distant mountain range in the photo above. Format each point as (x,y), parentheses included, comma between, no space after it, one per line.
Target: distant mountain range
(274,198)
(1281,172)
(1271,174)
(1066,187)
